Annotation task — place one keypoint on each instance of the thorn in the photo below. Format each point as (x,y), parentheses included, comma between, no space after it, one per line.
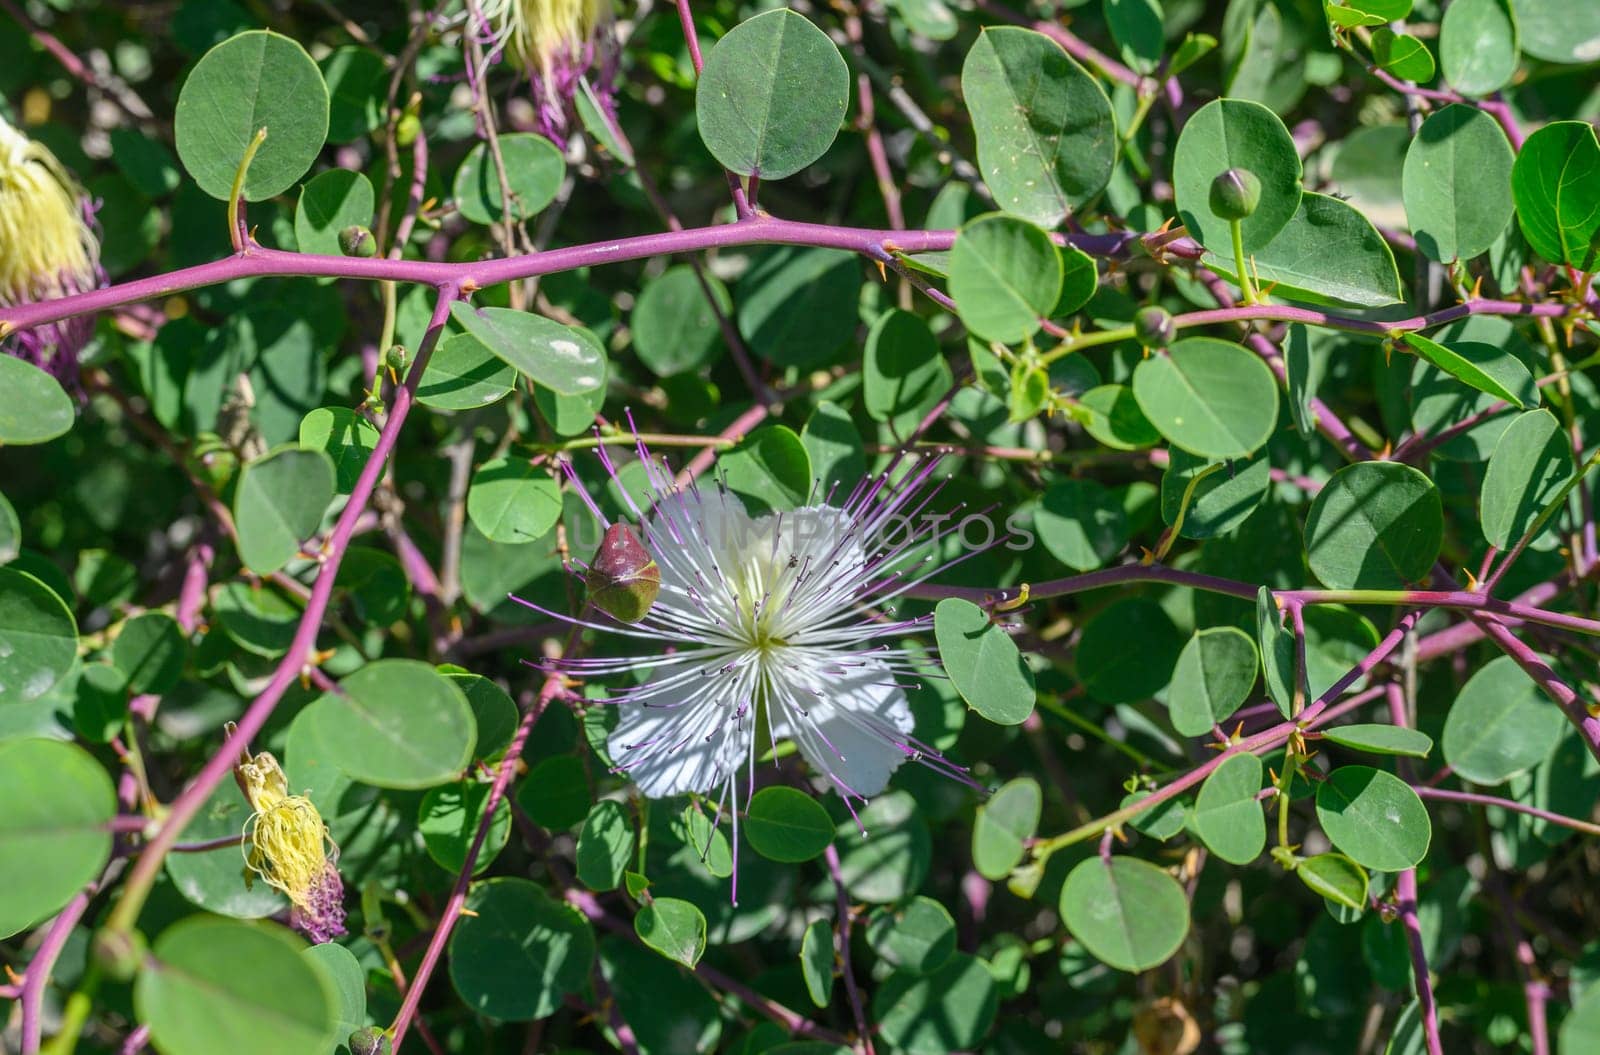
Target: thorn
(1477,288)
(883,272)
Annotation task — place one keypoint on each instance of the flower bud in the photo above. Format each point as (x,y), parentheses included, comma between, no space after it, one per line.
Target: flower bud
(356,240)
(370,1040)
(119,953)
(623,578)
(1235,194)
(406,129)
(396,358)
(1153,326)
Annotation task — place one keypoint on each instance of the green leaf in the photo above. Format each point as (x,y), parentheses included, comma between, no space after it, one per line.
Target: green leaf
(1374,817)
(949,1010)
(903,373)
(675,328)
(1047,137)
(784,824)
(798,306)
(1478,46)
(1128,913)
(54,838)
(772,96)
(1161,821)
(1216,671)
(1081,523)
(1128,651)
(1336,878)
(983,662)
(674,928)
(1328,253)
(1558,31)
(10,532)
(329,202)
(918,936)
(1374,526)
(769,469)
(1003,826)
(357,82)
(561,358)
(448,819)
(1454,183)
(930,18)
(38,638)
(534,169)
(1529,467)
(555,793)
(150,650)
(1221,500)
(1336,640)
(1080,278)
(1210,397)
(834,446)
(1500,724)
(1233,133)
(1227,814)
(349,980)
(100,703)
(279,503)
(668,1010)
(604,845)
(347,438)
(816,962)
(254,81)
(895,860)
(33,408)
(214,880)
(518,951)
(1555,183)
(213,985)
(1137,27)
(1381,739)
(1005,275)
(1402,55)
(397,723)
(1483,366)
(464,374)
(512,500)
(1115,420)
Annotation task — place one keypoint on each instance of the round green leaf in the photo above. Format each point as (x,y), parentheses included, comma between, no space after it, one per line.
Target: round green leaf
(1115,420)
(519,951)
(100,703)
(1455,180)
(215,879)
(10,532)
(675,327)
(38,638)
(983,662)
(150,650)
(605,845)
(1003,826)
(1402,55)
(1227,815)
(511,500)
(1047,136)
(918,936)
(1128,651)
(33,408)
(349,980)
(785,824)
(1234,133)
(1558,30)
(1081,523)
(949,1010)
(1478,46)
(903,373)
(449,817)
(1336,878)
(798,305)
(397,723)
(772,95)
(53,832)
(1529,467)
(464,374)
(674,928)
(1328,253)
(1128,913)
(346,437)
(1483,366)
(330,202)
(225,985)
(1210,397)
(1381,739)
(1216,671)
(816,962)
(894,859)
(357,82)
(770,469)
(1555,182)
(1005,275)
(561,358)
(278,503)
(1500,724)
(1374,817)
(1375,526)
(250,82)
(555,793)
(1221,499)
(534,169)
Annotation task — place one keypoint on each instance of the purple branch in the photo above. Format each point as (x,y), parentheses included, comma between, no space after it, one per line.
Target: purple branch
(43,962)
(1478,799)
(842,931)
(1406,895)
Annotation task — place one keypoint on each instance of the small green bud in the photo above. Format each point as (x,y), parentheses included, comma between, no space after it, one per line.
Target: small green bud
(397,358)
(623,578)
(1235,194)
(1153,326)
(370,1040)
(356,240)
(406,129)
(119,953)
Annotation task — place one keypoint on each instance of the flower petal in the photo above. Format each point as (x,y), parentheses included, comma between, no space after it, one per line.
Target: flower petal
(689,737)
(855,732)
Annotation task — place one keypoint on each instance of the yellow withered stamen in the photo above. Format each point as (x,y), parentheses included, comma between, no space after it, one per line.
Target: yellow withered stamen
(286,842)
(46,247)
(537,33)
